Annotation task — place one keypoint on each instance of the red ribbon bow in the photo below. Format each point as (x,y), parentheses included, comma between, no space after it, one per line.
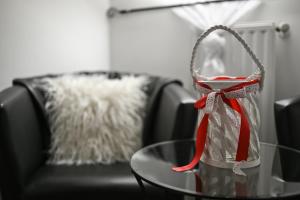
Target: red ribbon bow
(244,136)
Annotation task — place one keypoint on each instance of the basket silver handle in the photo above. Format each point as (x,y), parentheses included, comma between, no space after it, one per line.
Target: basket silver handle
(239,38)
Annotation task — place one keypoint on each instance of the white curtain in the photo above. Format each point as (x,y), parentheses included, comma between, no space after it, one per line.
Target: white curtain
(201,17)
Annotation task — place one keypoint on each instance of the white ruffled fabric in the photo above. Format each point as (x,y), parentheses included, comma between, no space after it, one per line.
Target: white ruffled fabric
(94,119)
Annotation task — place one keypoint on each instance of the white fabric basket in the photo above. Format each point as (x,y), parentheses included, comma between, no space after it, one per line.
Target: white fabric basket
(227,135)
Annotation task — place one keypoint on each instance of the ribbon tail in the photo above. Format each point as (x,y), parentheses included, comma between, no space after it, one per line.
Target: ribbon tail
(237,169)
(198,183)
(244,136)
(200,144)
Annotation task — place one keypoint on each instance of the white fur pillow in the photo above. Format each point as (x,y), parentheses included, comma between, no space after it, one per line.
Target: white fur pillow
(94,119)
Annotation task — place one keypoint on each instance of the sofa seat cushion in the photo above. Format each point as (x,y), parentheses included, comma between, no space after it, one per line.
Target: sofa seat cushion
(87,182)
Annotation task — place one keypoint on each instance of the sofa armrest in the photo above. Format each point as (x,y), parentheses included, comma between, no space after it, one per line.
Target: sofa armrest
(20,139)
(176,116)
(287,117)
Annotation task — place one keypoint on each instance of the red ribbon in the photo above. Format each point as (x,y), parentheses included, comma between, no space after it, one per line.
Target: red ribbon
(244,136)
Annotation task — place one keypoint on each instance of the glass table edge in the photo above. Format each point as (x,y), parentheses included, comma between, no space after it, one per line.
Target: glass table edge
(185,192)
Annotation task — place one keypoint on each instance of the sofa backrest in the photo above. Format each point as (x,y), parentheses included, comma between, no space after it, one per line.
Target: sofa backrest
(176,117)
(287,115)
(170,112)
(21,147)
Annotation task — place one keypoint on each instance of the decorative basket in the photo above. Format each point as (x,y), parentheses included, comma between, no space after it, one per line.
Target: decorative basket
(227,135)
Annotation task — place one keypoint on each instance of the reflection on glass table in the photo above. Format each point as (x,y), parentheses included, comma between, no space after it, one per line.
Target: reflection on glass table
(278,175)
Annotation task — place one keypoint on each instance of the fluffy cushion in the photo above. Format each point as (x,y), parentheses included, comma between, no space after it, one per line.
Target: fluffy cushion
(94,119)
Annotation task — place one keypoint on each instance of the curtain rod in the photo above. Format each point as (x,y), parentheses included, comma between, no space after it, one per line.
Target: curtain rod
(111,12)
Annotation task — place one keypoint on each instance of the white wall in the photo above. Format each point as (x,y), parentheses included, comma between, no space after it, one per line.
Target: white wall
(157,41)
(288,49)
(52,36)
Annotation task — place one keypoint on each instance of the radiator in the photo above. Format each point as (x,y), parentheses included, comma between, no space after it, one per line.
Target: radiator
(261,38)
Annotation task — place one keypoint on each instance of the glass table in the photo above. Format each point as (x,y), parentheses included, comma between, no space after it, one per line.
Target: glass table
(277,177)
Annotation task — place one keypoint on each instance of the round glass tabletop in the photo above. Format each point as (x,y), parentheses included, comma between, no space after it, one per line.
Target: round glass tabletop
(277,176)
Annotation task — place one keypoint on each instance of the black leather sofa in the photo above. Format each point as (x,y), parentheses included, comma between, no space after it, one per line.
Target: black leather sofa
(287,117)
(24,142)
